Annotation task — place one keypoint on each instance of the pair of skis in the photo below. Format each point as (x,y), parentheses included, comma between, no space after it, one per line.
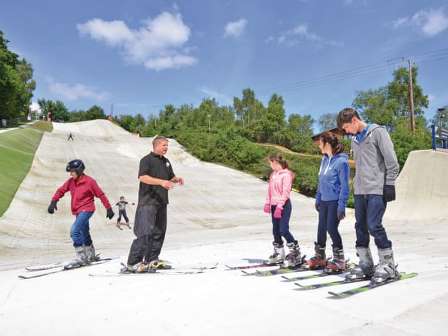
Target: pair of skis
(167,271)
(44,270)
(350,292)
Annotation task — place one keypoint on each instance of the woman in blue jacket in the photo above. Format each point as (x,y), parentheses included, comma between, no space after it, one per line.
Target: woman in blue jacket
(331,199)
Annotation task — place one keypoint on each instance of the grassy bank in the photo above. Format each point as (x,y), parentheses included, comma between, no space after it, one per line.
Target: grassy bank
(17,148)
(232,150)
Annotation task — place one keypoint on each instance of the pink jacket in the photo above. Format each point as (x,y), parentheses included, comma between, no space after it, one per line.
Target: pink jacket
(280,184)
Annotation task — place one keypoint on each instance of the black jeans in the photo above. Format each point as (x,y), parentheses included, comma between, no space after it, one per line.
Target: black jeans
(125,216)
(150,228)
(328,222)
(369,212)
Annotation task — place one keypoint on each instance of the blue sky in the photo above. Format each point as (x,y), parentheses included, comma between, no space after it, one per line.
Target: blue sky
(140,55)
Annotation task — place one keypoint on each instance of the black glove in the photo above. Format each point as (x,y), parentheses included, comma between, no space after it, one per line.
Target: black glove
(317,206)
(110,213)
(52,207)
(389,193)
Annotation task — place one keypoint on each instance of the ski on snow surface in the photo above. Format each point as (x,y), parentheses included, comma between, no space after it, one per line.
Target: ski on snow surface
(370,286)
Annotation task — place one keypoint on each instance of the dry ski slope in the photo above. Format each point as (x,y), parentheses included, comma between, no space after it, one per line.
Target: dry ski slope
(216,216)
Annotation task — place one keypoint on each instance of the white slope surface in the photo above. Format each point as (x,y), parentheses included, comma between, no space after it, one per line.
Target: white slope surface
(216,217)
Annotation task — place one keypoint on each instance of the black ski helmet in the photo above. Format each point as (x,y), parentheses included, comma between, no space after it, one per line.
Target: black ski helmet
(76,166)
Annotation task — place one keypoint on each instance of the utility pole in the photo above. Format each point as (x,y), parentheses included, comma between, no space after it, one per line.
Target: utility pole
(209,123)
(411,97)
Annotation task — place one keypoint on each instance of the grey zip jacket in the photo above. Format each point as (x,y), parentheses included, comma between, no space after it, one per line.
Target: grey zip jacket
(375,160)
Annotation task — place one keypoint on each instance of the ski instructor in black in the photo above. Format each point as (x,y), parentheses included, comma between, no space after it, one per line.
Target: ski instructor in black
(156,177)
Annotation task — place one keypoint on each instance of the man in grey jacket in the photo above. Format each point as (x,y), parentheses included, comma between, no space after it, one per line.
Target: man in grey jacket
(374,185)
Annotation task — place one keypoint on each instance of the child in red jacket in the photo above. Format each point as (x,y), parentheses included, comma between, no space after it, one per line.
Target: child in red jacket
(82,189)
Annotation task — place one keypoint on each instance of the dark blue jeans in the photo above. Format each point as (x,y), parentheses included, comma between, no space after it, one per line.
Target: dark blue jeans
(369,212)
(280,226)
(80,231)
(328,222)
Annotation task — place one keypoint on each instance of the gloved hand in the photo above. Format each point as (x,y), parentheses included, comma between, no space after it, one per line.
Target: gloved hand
(389,193)
(110,213)
(267,208)
(341,213)
(52,207)
(317,206)
(278,212)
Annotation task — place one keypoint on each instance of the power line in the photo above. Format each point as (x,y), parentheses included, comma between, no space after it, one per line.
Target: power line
(359,71)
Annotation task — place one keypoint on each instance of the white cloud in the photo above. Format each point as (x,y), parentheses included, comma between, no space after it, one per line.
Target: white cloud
(157,44)
(299,34)
(431,22)
(34,107)
(217,95)
(235,28)
(76,91)
(169,62)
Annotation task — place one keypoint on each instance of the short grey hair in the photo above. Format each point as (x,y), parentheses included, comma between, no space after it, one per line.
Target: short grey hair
(157,139)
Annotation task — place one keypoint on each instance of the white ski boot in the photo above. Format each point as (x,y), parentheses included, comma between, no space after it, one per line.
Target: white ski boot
(79,260)
(294,258)
(365,268)
(386,269)
(278,257)
(90,254)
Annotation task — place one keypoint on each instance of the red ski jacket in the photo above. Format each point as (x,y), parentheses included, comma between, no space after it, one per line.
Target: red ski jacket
(82,190)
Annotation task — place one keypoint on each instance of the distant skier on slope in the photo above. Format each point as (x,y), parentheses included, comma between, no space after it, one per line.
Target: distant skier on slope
(331,199)
(122,204)
(82,189)
(156,177)
(70,137)
(374,185)
(278,204)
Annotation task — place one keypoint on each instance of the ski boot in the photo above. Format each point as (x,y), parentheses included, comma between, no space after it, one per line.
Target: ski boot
(140,267)
(319,260)
(386,269)
(294,258)
(91,256)
(157,264)
(118,225)
(278,257)
(79,260)
(365,268)
(337,264)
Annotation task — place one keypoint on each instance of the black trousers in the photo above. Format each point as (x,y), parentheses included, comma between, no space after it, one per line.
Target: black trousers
(149,228)
(124,214)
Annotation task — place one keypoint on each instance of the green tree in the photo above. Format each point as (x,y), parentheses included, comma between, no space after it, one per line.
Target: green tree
(386,105)
(405,142)
(95,112)
(248,109)
(58,110)
(16,84)
(272,120)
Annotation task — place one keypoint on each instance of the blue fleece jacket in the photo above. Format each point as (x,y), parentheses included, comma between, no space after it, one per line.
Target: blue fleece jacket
(334,176)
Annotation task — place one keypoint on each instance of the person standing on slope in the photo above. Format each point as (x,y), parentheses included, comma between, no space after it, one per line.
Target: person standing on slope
(278,204)
(82,189)
(331,199)
(156,177)
(374,185)
(122,212)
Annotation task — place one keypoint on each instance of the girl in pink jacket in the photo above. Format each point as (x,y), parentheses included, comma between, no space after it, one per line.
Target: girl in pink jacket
(279,206)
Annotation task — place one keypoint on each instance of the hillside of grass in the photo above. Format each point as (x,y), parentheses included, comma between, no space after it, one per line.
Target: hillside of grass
(17,149)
